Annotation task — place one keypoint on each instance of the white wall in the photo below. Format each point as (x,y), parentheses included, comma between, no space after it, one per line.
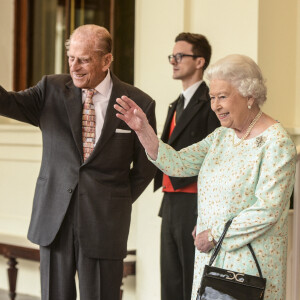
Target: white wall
(20,154)
(231,26)
(297,94)
(157,24)
(277,57)
(6,42)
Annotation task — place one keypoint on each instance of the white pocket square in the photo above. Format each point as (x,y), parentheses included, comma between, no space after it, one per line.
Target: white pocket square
(118,130)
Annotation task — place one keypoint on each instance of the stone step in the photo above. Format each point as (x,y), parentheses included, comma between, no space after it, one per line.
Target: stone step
(4,296)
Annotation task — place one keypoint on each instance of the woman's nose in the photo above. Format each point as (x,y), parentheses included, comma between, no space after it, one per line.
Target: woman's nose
(215,104)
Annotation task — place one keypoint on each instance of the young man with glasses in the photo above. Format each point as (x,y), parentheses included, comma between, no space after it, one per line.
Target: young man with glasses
(189,120)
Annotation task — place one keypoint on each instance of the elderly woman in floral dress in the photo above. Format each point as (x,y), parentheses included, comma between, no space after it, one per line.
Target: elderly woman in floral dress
(245,171)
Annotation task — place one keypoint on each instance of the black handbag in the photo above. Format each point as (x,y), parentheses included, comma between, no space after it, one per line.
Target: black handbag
(222,284)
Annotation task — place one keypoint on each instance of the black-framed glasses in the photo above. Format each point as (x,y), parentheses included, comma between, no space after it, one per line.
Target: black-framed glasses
(178,57)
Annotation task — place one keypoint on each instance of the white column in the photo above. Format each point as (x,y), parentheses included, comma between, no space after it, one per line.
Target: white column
(295,280)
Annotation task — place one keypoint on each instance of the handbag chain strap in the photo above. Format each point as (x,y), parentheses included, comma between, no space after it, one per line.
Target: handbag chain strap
(220,241)
(219,244)
(255,259)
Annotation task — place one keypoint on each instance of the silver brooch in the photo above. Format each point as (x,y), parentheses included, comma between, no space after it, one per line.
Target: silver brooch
(259,141)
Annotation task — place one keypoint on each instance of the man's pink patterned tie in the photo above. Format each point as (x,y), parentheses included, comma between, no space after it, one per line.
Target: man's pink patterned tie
(88,124)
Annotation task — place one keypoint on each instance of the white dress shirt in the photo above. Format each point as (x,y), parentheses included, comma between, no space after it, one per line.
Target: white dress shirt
(189,92)
(100,100)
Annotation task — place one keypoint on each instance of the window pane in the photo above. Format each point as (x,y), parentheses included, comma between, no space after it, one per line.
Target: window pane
(51,22)
(42,40)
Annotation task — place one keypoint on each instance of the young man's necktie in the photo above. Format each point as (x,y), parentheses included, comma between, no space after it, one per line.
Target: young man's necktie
(179,107)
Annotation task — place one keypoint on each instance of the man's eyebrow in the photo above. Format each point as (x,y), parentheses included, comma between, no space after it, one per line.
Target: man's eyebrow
(79,57)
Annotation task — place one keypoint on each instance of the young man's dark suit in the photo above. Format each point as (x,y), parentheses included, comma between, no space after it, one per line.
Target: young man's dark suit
(179,210)
(101,190)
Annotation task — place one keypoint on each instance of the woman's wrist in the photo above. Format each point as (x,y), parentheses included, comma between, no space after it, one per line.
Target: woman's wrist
(149,140)
(211,238)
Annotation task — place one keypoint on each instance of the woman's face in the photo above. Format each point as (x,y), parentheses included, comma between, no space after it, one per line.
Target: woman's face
(229,105)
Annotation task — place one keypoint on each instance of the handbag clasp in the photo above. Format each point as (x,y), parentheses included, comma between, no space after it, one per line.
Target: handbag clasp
(235,276)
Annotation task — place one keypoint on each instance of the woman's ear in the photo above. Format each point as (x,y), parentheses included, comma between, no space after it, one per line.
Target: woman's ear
(250,101)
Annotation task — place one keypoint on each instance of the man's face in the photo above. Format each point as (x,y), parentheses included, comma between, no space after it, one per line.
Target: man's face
(87,66)
(187,67)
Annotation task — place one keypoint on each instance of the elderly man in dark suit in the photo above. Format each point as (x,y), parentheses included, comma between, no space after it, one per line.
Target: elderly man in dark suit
(189,120)
(93,169)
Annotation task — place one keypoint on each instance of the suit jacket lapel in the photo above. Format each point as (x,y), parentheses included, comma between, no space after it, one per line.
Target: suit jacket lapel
(111,121)
(166,130)
(73,103)
(193,108)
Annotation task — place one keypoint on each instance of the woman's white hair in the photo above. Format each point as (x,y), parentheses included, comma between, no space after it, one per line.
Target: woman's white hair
(243,73)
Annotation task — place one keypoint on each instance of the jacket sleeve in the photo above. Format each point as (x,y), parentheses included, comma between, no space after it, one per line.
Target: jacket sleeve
(24,106)
(142,170)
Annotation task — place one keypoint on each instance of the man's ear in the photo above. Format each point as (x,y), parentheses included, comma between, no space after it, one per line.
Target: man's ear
(200,62)
(107,60)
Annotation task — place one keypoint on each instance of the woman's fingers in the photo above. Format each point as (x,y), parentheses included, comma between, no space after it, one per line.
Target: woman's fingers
(140,114)
(122,103)
(194,232)
(119,108)
(130,113)
(201,242)
(130,103)
(122,107)
(127,103)
(121,116)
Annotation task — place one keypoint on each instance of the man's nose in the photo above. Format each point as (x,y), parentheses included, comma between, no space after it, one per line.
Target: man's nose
(74,65)
(173,61)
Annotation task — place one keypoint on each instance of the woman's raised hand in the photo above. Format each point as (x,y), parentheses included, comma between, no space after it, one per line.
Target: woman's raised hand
(137,120)
(131,114)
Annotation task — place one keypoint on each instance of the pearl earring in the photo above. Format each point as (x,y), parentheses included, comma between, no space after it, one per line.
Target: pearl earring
(249,106)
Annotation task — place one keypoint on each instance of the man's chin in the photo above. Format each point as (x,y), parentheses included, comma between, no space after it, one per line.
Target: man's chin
(79,84)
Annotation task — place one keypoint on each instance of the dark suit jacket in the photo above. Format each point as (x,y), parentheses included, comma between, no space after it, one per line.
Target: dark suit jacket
(114,176)
(195,123)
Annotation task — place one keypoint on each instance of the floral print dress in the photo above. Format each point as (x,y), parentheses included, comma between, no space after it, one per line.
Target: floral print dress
(252,183)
